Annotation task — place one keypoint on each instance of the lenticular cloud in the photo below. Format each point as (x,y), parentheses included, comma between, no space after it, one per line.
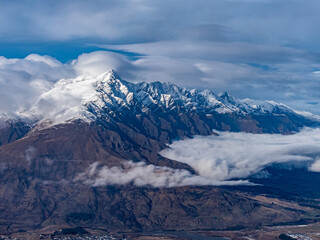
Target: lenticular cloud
(239,155)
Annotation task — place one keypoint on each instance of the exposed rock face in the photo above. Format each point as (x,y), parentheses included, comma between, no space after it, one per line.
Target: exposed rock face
(123,121)
(11,131)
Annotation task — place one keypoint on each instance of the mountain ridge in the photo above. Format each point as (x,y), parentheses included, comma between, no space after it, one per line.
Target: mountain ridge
(90,97)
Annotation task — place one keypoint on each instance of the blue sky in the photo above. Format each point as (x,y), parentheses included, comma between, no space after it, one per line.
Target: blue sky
(262,49)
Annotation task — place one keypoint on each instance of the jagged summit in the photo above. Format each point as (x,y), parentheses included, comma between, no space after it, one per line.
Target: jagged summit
(91,97)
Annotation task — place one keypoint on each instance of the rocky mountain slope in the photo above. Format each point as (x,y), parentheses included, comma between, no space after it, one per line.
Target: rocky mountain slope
(109,98)
(105,120)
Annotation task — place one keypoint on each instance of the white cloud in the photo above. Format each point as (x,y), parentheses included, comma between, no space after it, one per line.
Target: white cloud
(50,61)
(23,80)
(99,62)
(213,50)
(239,155)
(29,154)
(141,174)
(218,160)
(315,167)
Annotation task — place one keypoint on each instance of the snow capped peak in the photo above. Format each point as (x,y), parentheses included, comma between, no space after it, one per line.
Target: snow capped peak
(228,98)
(266,106)
(223,94)
(91,97)
(207,92)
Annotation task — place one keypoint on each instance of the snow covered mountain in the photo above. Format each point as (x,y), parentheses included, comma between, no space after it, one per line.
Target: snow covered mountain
(107,95)
(89,128)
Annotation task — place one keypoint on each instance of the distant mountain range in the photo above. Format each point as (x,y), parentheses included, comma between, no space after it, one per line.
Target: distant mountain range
(107,120)
(108,96)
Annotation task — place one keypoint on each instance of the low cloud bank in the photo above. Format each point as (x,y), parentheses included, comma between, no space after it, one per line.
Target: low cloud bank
(218,160)
(239,155)
(141,174)
(24,80)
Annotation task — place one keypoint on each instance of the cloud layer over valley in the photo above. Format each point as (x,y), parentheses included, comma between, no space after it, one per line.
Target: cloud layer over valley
(238,155)
(228,159)
(141,174)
